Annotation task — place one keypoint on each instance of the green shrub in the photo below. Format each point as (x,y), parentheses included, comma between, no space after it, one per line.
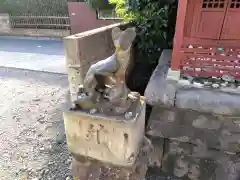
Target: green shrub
(100,4)
(35,7)
(155,21)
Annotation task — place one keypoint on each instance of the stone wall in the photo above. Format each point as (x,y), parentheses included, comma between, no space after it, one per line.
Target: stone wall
(6,30)
(195,132)
(188,162)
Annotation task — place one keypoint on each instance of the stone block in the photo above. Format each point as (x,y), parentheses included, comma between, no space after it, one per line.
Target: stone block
(185,161)
(84,49)
(209,101)
(84,168)
(161,90)
(105,138)
(201,129)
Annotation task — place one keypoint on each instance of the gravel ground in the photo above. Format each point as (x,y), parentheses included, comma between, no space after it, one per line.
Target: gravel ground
(32,137)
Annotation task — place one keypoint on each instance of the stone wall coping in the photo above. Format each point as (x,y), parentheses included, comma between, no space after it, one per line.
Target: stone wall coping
(163,89)
(93,31)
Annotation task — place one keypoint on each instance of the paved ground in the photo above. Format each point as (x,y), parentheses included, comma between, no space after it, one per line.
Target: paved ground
(34,54)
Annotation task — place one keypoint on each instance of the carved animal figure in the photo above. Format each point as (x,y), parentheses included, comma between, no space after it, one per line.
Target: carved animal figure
(106,78)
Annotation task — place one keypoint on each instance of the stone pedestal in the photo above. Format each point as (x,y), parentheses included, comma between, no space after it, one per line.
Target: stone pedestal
(84,168)
(89,169)
(105,138)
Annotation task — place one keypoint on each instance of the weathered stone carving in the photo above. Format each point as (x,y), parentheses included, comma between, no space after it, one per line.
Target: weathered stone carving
(104,89)
(107,121)
(105,138)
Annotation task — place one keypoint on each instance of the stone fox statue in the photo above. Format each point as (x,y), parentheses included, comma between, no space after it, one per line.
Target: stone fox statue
(106,79)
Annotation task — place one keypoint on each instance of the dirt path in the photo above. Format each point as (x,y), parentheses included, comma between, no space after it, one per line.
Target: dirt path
(32,139)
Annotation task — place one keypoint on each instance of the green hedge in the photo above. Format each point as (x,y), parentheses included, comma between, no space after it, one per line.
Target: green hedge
(155,22)
(36,7)
(100,4)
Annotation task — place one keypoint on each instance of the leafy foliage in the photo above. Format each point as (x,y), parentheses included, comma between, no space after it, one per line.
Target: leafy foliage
(155,21)
(36,7)
(100,4)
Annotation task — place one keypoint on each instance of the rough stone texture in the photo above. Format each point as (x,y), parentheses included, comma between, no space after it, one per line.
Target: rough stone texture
(153,174)
(221,132)
(208,101)
(189,162)
(156,154)
(89,169)
(108,139)
(84,49)
(4,23)
(160,91)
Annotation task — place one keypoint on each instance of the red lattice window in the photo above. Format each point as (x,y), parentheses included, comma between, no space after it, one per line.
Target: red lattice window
(214,3)
(210,61)
(235,4)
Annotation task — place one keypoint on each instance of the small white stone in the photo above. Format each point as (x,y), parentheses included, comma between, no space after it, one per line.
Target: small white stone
(128,115)
(224,84)
(184,82)
(46,171)
(207,83)
(228,78)
(215,85)
(93,111)
(197,84)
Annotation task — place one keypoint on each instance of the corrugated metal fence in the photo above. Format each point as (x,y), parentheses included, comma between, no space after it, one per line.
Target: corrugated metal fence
(40,22)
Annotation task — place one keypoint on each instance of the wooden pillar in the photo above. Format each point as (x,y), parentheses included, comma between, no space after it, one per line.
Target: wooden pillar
(179,34)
